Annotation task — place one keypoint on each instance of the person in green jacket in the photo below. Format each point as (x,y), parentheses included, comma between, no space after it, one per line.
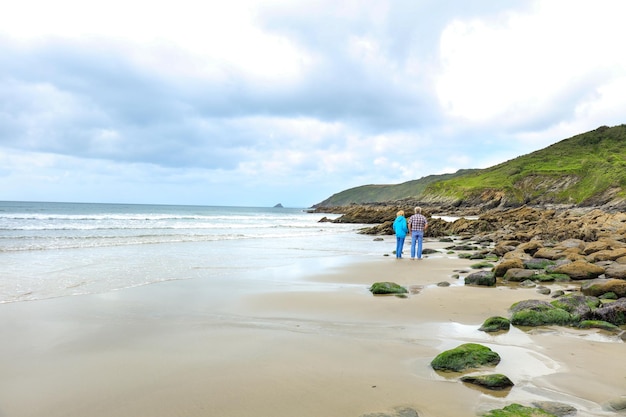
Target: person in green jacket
(401,228)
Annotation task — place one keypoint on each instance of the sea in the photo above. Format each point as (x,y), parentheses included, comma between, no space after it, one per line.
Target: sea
(55,249)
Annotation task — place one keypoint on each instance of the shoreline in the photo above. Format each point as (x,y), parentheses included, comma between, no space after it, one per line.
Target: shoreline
(327,347)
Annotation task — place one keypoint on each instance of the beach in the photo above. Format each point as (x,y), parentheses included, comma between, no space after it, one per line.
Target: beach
(327,347)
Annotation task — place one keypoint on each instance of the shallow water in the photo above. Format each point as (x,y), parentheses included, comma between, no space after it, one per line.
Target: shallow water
(61,249)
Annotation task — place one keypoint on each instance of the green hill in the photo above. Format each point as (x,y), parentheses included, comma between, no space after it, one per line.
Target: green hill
(587,170)
(373,193)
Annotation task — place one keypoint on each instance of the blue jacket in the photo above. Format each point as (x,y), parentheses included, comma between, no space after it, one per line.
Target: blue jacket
(400,226)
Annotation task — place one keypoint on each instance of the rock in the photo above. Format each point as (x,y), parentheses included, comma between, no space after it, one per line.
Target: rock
(579,270)
(517,410)
(387,288)
(443,284)
(613,312)
(501,269)
(278,206)
(558,409)
(530,247)
(495,324)
(462,247)
(544,290)
(615,270)
(577,304)
(502,248)
(572,244)
(539,313)
(550,277)
(608,296)
(466,356)
(600,286)
(398,412)
(482,265)
(518,274)
(606,255)
(549,253)
(537,263)
(491,381)
(527,284)
(484,278)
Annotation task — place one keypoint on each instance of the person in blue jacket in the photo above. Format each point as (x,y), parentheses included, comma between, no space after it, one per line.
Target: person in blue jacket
(401,228)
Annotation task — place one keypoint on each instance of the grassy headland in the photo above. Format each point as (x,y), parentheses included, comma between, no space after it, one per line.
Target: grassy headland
(587,170)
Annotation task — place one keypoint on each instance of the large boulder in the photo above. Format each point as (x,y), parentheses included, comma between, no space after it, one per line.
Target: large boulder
(500,269)
(466,356)
(600,286)
(539,313)
(518,274)
(580,269)
(549,253)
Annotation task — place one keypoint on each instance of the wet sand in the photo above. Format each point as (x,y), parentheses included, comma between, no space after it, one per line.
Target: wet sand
(324,348)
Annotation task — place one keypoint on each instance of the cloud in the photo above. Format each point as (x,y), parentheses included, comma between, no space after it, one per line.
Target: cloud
(246,102)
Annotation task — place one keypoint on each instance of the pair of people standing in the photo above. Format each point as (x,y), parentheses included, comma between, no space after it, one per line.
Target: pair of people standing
(416,225)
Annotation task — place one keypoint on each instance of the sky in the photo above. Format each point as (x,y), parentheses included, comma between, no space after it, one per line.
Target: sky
(255,103)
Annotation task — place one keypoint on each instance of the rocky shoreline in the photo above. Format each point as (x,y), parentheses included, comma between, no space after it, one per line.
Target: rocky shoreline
(530,247)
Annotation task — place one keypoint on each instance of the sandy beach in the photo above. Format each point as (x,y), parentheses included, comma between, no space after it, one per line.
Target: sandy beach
(327,348)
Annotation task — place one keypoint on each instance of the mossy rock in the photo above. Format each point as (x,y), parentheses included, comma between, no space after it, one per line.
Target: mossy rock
(482,278)
(560,277)
(466,356)
(533,318)
(598,324)
(577,304)
(495,324)
(540,313)
(544,277)
(608,296)
(387,288)
(481,265)
(494,382)
(517,410)
(538,263)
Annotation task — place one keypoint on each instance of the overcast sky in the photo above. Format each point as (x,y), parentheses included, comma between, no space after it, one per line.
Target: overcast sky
(258,102)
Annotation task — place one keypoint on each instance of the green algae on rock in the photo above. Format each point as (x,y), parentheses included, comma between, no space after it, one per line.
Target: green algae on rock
(465,356)
(539,313)
(517,410)
(379,288)
(495,324)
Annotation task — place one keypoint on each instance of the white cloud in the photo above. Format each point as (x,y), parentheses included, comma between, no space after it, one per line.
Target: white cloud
(187,38)
(521,65)
(244,101)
